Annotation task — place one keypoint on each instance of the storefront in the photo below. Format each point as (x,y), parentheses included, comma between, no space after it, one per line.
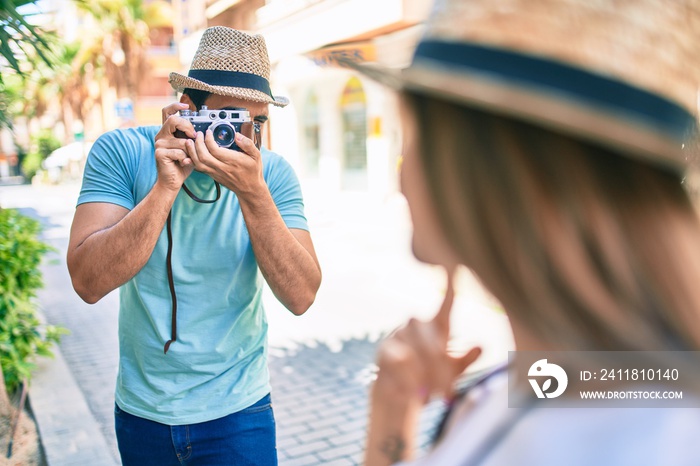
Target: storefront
(341,131)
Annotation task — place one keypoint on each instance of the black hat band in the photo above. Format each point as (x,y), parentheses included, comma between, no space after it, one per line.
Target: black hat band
(555,77)
(232,79)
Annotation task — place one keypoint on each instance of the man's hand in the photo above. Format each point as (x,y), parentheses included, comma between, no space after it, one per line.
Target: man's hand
(173,109)
(109,244)
(174,155)
(241,172)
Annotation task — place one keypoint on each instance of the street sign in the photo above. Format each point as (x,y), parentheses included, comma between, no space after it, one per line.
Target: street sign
(124,108)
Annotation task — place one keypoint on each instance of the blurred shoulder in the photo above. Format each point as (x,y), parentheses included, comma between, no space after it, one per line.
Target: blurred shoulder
(126,143)
(121,136)
(274,164)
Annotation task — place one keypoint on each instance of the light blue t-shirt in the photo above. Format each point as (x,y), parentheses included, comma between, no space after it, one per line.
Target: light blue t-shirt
(218,365)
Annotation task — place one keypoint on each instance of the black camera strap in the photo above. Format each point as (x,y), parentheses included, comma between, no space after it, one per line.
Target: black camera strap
(204,201)
(169,262)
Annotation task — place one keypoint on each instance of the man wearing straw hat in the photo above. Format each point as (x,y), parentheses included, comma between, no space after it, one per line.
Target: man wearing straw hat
(182,225)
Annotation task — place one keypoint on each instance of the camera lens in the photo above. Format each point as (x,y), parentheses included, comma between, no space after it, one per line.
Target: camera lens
(223,135)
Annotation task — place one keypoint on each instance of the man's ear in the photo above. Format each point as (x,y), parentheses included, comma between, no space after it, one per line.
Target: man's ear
(185,99)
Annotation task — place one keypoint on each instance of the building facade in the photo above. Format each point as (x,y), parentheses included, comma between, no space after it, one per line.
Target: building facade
(341,131)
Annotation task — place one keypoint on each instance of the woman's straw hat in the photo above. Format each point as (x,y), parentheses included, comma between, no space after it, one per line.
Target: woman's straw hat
(624,73)
(231,63)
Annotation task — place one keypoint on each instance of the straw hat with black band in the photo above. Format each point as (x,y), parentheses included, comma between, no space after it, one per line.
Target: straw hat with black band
(231,63)
(623,73)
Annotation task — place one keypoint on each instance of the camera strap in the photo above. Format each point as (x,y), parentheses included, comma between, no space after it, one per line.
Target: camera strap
(169,261)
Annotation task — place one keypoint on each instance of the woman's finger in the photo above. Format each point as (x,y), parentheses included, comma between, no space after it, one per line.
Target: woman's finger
(429,346)
(465,361)
(442,318)
(459,365)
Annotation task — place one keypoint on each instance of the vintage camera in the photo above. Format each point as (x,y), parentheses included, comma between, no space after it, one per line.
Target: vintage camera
(223,124)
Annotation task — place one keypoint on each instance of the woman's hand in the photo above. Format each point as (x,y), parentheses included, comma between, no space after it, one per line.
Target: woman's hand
(414,362)
(414,365)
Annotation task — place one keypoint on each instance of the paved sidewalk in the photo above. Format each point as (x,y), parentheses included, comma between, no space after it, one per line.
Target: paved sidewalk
(321,363)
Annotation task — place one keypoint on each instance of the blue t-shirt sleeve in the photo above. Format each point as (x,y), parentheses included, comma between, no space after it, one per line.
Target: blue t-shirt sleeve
(110,170)
(286,192)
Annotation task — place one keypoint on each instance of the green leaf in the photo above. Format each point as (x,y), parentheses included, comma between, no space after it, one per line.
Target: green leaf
(22,336)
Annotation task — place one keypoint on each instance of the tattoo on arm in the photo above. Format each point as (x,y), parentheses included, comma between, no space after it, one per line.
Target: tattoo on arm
(394,448)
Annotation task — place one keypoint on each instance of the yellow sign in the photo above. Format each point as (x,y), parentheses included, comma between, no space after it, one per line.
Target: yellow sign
(353,93)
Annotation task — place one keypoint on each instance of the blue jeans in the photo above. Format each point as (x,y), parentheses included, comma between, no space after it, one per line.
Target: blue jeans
(243,438)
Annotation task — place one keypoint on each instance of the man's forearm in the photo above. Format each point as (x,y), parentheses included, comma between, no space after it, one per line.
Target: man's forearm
(291,271)
(111,256)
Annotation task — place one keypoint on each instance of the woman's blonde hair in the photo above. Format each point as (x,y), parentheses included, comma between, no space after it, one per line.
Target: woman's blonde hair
(591,250)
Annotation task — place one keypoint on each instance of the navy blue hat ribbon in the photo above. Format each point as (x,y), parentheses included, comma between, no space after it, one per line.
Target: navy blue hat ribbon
(615,96)
(232,79)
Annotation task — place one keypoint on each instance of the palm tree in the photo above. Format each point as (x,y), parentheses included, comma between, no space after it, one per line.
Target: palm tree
(18,36)
(71,82)
(120,41)
(111,53)
(18,40)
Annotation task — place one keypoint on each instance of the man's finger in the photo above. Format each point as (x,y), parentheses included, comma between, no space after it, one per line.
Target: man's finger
(190,151)
(172,109)
(211,144)
(204,156)
(175,123)
(176,155)
(246,145)
(172,143)
(198,151)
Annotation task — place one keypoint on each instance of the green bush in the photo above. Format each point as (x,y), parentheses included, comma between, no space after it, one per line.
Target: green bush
(31,164)
(22,337)
(42,145)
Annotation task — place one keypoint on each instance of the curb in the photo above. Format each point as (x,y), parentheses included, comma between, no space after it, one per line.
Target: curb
(69,433)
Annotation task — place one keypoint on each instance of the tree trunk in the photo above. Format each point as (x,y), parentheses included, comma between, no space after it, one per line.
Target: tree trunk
(67,119)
